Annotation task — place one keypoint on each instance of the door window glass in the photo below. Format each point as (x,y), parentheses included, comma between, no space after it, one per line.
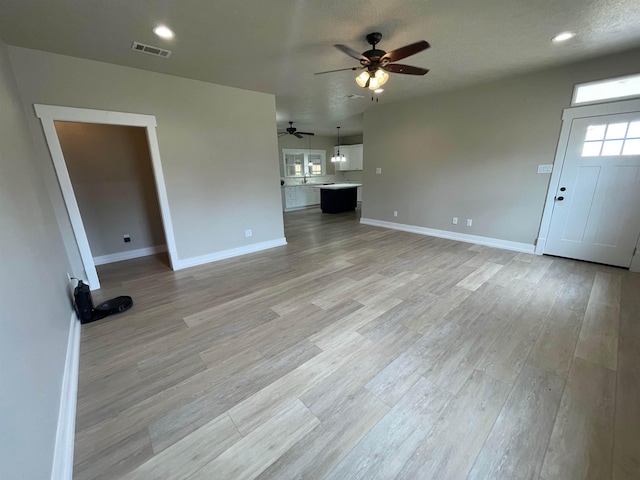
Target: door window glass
(591,149)
(616,130)
(634,130)
(612,148)
(595,132)
(619,139)
(631,147)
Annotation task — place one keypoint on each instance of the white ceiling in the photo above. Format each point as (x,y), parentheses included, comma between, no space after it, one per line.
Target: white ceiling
(275,46)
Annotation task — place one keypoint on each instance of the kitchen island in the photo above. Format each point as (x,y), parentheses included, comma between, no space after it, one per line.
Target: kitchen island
(338,197)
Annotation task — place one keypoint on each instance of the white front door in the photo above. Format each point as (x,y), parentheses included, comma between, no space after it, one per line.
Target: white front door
(596,213)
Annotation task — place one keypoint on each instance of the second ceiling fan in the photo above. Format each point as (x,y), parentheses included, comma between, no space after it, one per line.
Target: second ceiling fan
(291,130)
(376,63)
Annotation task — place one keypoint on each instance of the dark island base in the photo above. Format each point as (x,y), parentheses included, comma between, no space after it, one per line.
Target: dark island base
(336,201)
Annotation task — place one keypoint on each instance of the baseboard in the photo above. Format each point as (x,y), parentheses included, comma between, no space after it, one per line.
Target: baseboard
(293,209)
(65,435)
(234,252)
(128,255)
(461,237)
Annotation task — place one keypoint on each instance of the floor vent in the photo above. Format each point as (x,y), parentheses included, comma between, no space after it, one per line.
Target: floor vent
(158,52)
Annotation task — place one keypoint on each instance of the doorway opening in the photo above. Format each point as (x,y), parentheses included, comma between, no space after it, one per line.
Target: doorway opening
(67,119)
(112,178)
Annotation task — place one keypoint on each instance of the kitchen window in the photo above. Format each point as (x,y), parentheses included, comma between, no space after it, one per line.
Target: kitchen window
(300,162)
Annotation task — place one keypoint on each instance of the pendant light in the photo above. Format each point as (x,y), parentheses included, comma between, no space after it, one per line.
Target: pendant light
(309,161)
(338,157)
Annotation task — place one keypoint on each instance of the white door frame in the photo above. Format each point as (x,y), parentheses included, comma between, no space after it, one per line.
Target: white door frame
(48,114)
(568,115)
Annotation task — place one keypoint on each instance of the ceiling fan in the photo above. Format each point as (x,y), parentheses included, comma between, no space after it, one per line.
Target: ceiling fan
(291,130)
(376,63)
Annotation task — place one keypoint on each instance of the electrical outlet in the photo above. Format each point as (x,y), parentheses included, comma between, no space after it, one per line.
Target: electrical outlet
(248,232)
(469,222)
(455,220)
(378,171)
(126,238)
(395,213)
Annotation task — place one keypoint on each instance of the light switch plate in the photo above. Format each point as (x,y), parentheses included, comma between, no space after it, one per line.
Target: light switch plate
(546,168)
(378,170)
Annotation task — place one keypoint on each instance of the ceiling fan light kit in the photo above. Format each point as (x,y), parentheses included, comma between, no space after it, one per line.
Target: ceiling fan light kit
(376,63)
(372,80)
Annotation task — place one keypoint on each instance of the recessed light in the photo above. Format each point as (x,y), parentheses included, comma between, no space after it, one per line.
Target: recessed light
(563,37)
(164,32)
(379,90)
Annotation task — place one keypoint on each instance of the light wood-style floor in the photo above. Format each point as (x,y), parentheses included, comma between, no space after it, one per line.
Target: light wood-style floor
(360,352)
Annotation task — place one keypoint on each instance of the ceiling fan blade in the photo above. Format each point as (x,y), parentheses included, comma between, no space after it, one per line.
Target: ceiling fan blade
(306,133)
(297,134)
(352,53)
(366,85)
(406,51)
(406,69)
(339,70)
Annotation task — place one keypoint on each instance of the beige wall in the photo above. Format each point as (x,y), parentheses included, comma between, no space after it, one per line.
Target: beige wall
(473,153)
(34,303)
(352,140)
(112,177)
(218,144)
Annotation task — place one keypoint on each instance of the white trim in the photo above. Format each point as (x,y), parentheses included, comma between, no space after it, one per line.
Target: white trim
(568,115)
(87,115)
(50,113)
(233,252)
(461,237)
(611,108)
(65,435)
(128,255)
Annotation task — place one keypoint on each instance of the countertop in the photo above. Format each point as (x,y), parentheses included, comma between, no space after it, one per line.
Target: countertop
(339,186)
(332,186)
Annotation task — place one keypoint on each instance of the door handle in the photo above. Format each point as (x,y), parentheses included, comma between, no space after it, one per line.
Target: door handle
(559,199)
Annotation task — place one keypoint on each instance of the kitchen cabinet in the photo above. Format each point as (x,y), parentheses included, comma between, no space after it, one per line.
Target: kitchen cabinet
(300,196)
(312,195)
(354,156)
(290,197)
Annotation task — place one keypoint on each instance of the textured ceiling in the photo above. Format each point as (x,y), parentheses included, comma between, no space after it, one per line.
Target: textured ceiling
(275,46)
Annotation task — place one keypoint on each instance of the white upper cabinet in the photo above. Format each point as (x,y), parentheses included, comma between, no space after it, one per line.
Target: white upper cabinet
(353,154)
(355,157)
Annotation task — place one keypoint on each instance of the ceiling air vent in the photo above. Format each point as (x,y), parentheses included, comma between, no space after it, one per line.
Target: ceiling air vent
(158,52)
